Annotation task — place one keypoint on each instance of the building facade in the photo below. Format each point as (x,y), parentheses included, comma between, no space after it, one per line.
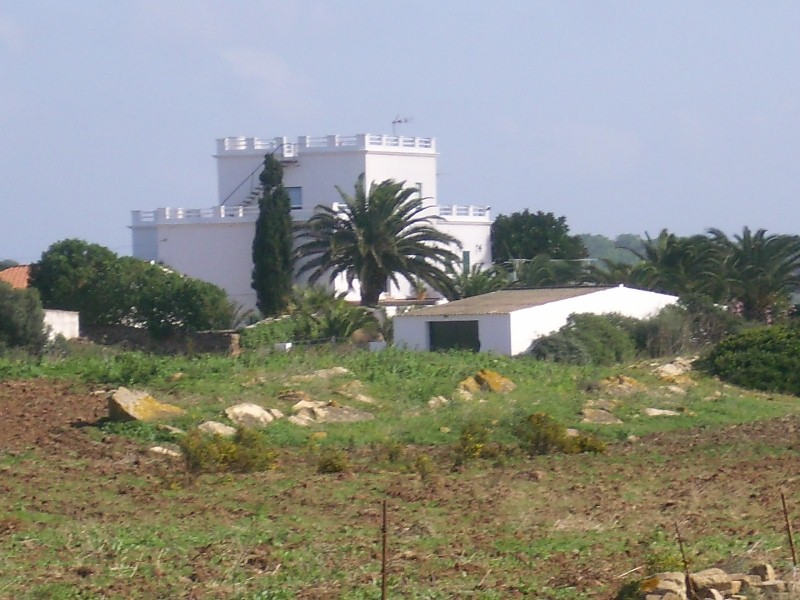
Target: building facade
(214,244)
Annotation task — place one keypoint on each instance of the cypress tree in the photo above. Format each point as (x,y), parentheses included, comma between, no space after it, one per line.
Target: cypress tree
(272,243)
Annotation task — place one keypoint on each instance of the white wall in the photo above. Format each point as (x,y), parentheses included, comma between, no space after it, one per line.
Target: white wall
(530,324)
(514,333)
(219,253)
(494,331)
(62,322)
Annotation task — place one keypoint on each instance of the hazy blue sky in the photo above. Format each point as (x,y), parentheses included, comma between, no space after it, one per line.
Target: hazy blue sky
(622,116)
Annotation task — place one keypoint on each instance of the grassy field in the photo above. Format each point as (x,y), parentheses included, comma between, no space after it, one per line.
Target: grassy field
(87,512)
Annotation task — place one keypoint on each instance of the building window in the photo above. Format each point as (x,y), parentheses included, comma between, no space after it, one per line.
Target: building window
(465,266)
(419,189)
(295,197)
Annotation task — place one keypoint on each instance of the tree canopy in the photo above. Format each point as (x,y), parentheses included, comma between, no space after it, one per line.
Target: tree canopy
(21,319)
(525,235)
(110,290)
(376,236)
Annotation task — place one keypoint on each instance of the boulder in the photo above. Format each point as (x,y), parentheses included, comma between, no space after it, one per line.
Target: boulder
(169,452)
(661,412)
(133,405)
(437,402)
(294,396)
(620,385)
(217,428)
(355,391)
(486,380)
(323,374)
(248,414)
(305,413)
(599,417)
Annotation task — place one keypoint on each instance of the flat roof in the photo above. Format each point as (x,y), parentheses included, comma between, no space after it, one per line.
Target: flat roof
(503,301)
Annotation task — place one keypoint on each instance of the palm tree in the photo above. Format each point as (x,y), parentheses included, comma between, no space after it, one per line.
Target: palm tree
(678,265)
(375,238)
(761,271)
(476,281)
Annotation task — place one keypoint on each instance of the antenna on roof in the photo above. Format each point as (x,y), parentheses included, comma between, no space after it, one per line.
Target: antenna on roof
(398,120)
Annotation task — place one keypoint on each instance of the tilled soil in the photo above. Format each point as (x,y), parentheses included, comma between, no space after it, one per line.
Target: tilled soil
(719,484)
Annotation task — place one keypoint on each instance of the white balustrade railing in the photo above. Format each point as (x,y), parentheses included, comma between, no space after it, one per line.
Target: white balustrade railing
(194,215)
(462,210)
(360,141)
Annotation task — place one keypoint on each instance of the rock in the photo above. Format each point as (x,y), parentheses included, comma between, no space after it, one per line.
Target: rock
(217,428)
(323,374)
(354,391)
(294,396)
(132,405)
(714,594)
(660,412)
(486,380)
(462,394)
(166,452)
(494,382)
(676,389)
(599,417)
(707,579)
(437,402)
(247,414)
(620,385)
(305,413)
(607,404)
(469,385)
(570,432)
(171,429)
(764,571)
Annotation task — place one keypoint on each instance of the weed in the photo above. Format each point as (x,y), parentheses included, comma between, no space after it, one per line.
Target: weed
(423,466)
(332,460)
(541,434)
(246,452)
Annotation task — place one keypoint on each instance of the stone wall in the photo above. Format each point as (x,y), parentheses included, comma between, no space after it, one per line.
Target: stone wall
(134,338)
(716,584)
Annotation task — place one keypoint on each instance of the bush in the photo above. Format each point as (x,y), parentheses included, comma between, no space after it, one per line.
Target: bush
(764,359)
(587,338)
(246,452)
(561,348)
(21,319)
(111,290)
(332,460)
(268,332)
(540,434)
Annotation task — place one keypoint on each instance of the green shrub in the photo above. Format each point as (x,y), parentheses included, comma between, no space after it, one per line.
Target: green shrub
(266,333)
(561,348)
(600,338)
(21,319)
(540,434)
(472,441)
(765,359)
(246,452)
(332,460)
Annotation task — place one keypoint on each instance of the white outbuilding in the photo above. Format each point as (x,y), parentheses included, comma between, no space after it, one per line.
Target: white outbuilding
(508,321)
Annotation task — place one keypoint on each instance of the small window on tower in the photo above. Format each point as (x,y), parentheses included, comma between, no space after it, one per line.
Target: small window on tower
(295,197)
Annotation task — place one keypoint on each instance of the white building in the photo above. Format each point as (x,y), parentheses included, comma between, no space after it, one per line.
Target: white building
(214,244)
(508,321)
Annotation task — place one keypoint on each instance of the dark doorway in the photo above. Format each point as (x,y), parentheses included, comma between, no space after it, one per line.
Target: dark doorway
(454,335)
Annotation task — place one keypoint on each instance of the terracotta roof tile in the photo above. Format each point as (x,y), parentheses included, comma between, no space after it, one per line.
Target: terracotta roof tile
(16,276)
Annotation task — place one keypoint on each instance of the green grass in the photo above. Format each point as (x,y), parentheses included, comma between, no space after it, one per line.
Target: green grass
(489,529)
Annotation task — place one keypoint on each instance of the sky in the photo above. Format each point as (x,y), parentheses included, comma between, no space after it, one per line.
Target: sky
(623,116)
